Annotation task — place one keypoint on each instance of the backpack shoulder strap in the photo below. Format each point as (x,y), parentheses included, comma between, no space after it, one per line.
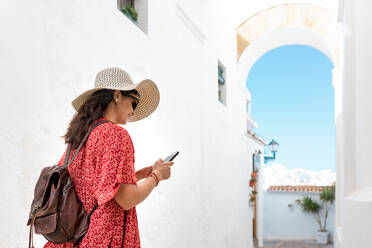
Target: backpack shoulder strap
(67,156)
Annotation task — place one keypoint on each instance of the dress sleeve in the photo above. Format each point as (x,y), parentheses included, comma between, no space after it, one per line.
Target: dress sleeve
(60,162)
(114,163)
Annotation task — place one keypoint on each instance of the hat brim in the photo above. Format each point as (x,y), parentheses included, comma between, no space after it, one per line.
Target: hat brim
(149,98)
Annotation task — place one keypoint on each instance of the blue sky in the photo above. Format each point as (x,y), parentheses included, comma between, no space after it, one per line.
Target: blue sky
(293,103)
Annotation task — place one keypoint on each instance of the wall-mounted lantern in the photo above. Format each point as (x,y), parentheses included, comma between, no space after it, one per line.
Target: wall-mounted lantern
(273,146)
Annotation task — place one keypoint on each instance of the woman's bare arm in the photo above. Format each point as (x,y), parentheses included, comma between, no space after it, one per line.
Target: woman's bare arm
(130,195)
(143,173)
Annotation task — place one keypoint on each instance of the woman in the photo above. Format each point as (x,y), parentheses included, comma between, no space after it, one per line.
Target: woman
(103,170)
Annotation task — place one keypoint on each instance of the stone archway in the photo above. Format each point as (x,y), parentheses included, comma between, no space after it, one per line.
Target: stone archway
(291,16)
(290,24)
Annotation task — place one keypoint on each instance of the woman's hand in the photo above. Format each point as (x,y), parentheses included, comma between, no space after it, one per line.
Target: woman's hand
(162,169)
(143,173)
(130,195)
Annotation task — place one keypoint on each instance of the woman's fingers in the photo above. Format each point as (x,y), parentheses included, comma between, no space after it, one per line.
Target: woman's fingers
(170,163)
(163,168)
(164,171)
(157,163)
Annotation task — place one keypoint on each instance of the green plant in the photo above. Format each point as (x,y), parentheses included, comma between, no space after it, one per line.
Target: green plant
(131,13)
(252,196)
(308,205)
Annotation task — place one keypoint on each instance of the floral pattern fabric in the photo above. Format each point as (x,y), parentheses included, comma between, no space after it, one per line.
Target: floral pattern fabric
(102,164)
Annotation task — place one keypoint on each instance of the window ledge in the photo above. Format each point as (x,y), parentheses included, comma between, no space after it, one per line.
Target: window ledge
(256,138)
(251,124)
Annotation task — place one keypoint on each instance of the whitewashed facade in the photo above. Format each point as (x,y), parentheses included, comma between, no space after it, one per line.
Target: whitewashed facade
(284,220)
(50,52)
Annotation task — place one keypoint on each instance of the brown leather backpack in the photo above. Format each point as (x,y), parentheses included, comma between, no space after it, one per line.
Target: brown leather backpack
(56,211)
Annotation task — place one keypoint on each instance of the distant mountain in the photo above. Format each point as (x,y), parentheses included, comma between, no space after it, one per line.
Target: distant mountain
(278,174)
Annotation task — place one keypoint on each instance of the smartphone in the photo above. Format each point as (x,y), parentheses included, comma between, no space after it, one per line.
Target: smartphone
(171,157)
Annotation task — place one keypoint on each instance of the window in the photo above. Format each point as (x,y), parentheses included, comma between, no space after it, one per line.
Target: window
(251,124)
(256,161)
(136,11)
(221,83)
(248,108)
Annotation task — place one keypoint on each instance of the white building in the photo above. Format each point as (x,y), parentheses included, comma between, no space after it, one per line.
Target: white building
(50,53)
(51,50)
(283,219)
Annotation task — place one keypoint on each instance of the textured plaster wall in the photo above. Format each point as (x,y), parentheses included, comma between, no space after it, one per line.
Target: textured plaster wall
(291,223)
(301,16)
(50,52)
(356,194)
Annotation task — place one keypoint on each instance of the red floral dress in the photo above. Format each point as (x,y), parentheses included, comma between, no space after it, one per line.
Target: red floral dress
(102,164)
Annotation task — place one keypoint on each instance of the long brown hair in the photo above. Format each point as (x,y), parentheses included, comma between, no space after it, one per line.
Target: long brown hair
(90,111)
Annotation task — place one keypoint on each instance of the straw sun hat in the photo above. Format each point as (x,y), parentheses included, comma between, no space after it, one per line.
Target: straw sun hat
(117,79)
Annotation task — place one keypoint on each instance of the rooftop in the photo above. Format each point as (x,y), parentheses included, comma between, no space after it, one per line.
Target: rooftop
(299,188)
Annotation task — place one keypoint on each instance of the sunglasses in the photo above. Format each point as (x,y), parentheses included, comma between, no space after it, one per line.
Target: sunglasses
(135,102)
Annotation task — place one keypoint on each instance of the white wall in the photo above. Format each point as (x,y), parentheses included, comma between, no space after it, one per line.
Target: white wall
(291,223)
(50,53)
(355,192)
